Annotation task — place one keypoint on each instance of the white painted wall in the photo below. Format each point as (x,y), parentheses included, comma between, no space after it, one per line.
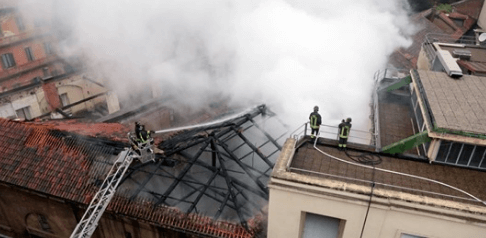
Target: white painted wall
(6,111)
(287,206)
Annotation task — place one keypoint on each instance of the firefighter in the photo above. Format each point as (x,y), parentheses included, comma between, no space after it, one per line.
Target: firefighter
(142,134)
(344,129)
(315,122)
(138,128)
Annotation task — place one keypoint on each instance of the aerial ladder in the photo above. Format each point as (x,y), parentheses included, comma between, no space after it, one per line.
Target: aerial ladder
(88,223)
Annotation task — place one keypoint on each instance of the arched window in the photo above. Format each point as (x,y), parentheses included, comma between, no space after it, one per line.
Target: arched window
(37,225)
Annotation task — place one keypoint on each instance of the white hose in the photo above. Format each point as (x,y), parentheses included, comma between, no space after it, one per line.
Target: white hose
(207,123)
(398,173)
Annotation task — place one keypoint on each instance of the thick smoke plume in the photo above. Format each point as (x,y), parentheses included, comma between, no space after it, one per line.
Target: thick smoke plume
(288,54)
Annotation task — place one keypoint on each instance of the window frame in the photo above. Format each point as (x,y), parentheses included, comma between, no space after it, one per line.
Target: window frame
(20,23)
(29,54)
(48,48)
(8,61)
(23,110)
(341,226)
(66,98)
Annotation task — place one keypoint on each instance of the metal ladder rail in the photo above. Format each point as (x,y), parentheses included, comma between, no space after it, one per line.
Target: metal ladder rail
(99,203)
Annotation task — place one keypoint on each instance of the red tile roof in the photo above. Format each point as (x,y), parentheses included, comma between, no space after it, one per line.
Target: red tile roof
(476,67)
(112,131)
(46,159)
(440,24)
(471,8)
(406,58)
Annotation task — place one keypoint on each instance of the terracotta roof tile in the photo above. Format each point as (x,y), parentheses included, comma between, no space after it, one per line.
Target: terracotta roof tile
(44,157)
(471,8)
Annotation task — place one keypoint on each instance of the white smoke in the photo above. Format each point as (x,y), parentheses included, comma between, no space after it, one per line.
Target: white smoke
(288,54)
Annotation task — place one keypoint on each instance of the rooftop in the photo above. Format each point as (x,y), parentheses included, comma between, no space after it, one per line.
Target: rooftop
(69,160)
(456,104)
(454,25)
(315,166)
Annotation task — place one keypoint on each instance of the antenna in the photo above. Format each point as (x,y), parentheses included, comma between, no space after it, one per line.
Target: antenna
(482,37)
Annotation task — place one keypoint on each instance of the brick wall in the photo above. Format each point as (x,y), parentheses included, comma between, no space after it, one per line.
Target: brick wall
(51,95)
(20,210)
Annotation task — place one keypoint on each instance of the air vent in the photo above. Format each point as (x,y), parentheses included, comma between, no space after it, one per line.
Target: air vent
(462,54)
(450,65)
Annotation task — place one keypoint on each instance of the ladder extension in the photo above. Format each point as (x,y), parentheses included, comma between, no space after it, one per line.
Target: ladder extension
(89,222)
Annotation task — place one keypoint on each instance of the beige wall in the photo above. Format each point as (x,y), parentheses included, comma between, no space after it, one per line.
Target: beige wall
(482,18)
(423,61)
(78,89)
(386,219)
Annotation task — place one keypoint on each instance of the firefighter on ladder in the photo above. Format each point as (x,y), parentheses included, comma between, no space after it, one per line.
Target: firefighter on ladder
(344,129)
(315,122)
(141,137)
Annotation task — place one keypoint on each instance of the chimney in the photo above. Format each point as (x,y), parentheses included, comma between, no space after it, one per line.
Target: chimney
(51,95)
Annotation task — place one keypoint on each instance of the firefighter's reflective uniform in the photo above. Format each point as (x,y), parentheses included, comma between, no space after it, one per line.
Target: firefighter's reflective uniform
(315,122)
(344,129)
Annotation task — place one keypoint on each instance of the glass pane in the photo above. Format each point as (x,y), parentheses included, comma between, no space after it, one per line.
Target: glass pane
(317,226)
(478,155)
(466,154)
(410,236)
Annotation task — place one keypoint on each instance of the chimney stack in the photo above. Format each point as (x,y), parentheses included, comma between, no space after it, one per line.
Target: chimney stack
(51,95)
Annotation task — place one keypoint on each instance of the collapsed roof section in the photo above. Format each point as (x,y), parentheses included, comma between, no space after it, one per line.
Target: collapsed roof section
(220,170)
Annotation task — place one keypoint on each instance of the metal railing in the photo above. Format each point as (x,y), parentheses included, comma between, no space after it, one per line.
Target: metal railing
(332,132)
(375,114)
(468,196)
(431,38)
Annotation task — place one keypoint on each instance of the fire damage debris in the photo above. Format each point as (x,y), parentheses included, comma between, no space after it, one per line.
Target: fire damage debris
(208,178)
(220,170)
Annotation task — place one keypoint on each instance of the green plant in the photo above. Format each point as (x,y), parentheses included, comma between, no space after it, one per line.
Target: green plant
(447,8)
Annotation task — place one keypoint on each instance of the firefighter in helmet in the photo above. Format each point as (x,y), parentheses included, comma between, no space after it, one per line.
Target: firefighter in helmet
(344,129)
(315,122)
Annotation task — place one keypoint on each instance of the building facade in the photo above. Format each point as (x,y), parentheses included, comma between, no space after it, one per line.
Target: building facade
(313,194)
(35,80)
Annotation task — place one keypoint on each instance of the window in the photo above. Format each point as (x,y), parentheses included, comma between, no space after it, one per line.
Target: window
(8,60)
(20,23)
(43,223)
(64,99)
(410,236)
(36,80)
(318,226)
(24,113)
(29,54)
(48,48)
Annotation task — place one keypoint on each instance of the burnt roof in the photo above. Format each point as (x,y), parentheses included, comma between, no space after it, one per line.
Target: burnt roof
(47,159)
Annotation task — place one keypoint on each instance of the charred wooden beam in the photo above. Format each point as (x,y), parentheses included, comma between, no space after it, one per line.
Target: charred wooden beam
(274,142)
(235,158)
(201,193)
(182,174)
(230,190)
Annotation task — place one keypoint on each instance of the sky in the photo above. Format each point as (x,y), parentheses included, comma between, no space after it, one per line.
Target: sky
(288,54)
